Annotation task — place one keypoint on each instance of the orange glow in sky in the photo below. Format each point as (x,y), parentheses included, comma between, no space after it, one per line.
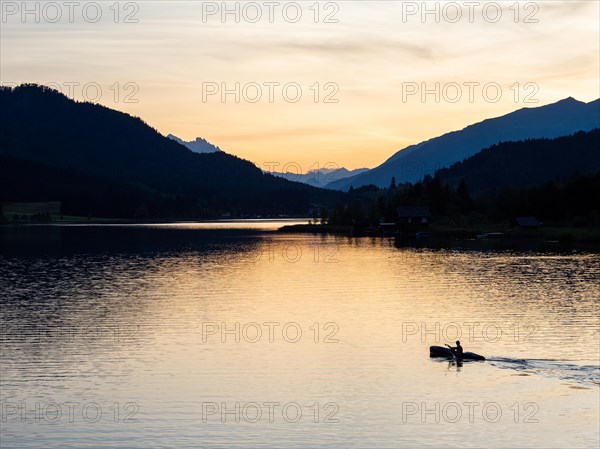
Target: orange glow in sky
(345,82)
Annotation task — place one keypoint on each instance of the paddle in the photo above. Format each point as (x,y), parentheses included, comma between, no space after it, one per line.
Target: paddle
(451,352)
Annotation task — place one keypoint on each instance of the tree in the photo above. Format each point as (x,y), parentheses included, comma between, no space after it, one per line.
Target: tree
(465,203)
(437,194)
(324,216)
(393,183)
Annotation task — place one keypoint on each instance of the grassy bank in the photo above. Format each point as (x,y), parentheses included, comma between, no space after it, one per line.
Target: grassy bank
(44,212)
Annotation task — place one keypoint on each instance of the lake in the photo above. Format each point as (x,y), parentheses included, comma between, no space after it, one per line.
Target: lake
(228,334)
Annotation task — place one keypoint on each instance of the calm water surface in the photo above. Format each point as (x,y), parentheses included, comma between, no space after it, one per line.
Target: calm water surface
(224,335)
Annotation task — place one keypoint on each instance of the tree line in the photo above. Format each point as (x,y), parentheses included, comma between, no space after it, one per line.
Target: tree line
(574,202)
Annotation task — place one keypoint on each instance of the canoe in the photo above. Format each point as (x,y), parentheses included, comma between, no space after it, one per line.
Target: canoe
(440,351)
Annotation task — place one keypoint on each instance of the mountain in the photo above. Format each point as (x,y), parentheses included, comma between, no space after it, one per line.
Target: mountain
(50,144)
(199,145)
(554,180)
(527,163)
(412,163)
(316,178)
(320,177)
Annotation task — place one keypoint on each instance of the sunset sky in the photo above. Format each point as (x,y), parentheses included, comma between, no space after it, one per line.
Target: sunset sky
(370,52)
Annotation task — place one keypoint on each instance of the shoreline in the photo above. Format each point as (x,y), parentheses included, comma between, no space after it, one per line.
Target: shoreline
(101,221)
(492,235)
(549,235)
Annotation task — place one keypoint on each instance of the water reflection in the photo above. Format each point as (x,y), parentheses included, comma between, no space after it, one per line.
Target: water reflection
(121,314)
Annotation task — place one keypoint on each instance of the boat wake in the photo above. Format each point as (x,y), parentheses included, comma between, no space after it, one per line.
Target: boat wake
(559,369)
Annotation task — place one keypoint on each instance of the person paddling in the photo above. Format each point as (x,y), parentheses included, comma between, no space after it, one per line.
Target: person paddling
(457,350)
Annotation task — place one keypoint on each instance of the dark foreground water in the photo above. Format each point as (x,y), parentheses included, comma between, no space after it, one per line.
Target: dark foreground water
(222,335)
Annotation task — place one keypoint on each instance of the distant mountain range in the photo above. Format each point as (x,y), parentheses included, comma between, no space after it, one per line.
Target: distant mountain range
(554,180)
(320,177)
(316,178)
(102,162)
(414,162)
(199,145)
